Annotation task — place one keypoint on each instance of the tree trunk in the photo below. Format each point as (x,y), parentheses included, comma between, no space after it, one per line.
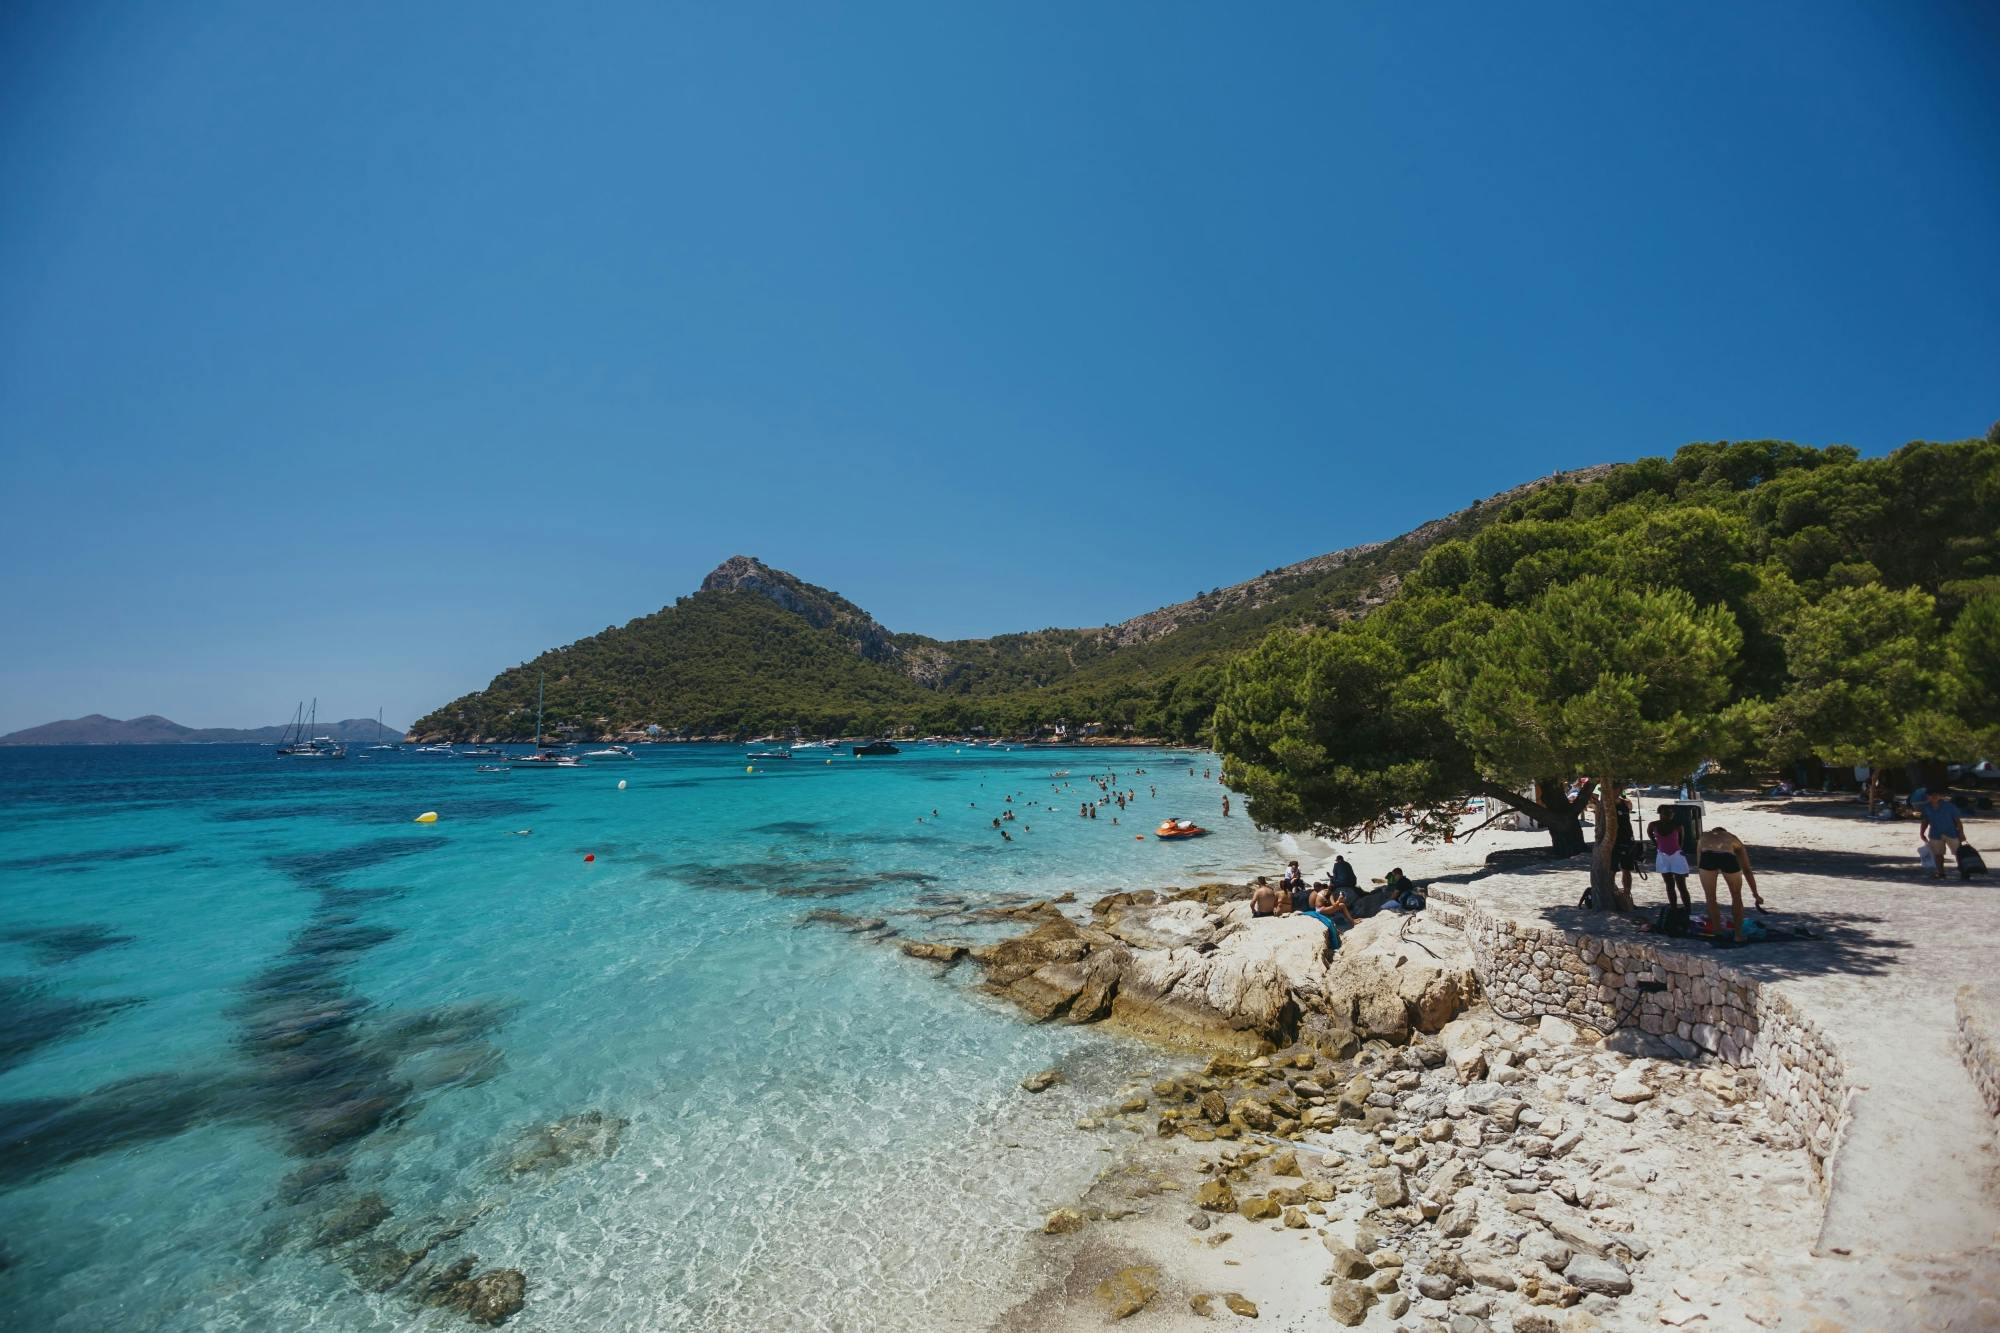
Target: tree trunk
(1565,829)
(1556,812)
(1604,890)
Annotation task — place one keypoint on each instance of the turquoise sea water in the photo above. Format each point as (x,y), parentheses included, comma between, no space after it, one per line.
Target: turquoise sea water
(239,993)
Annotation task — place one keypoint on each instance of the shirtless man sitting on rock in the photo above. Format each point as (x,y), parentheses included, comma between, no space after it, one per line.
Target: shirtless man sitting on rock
(1267,899)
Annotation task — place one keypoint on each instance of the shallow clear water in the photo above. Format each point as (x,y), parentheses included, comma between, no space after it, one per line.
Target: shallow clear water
(220,969)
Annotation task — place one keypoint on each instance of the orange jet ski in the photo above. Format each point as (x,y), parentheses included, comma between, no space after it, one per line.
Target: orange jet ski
(1179,828)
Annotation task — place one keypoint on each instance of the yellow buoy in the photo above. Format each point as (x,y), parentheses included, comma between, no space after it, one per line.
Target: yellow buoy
(428,817)
(748,769)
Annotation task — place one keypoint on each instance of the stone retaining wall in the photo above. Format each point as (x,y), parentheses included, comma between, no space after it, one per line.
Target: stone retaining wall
(1690,1001)
(1979,1041)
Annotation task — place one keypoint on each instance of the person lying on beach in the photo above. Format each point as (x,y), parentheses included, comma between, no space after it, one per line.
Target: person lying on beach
(1720,852)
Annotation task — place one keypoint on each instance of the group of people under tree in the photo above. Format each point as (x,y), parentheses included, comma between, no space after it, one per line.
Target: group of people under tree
(1337,901)
(1719,859)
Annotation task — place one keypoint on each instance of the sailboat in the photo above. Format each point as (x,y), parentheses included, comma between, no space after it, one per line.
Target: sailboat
(544,757)
(378,745)
(300,743)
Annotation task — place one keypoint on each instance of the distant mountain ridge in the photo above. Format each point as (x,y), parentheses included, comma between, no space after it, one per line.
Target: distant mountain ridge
(152,729)
(756,649)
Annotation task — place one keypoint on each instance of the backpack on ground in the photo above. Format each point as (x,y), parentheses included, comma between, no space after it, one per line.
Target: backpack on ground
(1672,920)
(1970,862)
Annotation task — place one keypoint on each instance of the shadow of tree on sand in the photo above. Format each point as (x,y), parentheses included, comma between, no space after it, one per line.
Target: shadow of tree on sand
(1801,943)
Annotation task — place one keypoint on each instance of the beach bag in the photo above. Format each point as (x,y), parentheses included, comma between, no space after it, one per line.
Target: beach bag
(1970,862)
(1672,920)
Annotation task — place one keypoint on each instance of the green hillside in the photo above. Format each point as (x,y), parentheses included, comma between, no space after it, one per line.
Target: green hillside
(757,650)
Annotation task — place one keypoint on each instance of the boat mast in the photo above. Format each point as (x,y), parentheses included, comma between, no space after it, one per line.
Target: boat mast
(539,679)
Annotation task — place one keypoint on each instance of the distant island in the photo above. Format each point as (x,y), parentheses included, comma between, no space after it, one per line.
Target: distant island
(152,729)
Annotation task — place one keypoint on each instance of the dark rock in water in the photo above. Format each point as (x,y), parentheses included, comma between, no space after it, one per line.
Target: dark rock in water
(31,1018)
(465,1067)
(496,1294)
(485,1298)
(310,1178)
(55,945)
(45,1134)
(354,1218)
(320,1129)
(379,1264)
(581,1137)
(442,1287)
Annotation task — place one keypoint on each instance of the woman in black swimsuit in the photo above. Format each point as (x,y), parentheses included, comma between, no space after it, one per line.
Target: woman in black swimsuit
(1720,852)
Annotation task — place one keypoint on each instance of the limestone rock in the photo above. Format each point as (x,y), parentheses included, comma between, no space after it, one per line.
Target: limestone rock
(1127,1291)
(1055,940)
(1215,1196)
(1048,990)
(934,951)
(1175,925)
(1092,1001)
(1348,1301)
(1589,1273)
(1043,1081)
(1348,1261)
(1556,1031)
(1629,1088)
(1239,1304)
(1063,1221)
(1258,1207)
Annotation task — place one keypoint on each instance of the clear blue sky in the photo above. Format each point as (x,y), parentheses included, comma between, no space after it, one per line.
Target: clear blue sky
(363,350)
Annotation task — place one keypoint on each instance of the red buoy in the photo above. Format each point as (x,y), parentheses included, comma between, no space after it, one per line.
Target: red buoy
(590,856)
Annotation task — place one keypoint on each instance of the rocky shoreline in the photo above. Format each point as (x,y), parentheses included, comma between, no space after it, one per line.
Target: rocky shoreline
(1459,1171)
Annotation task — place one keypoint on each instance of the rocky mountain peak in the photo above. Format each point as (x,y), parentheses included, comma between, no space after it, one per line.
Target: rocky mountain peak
(740,571)
(817,606)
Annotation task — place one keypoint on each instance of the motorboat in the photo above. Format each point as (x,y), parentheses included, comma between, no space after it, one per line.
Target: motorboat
(545,759)
(435,749)
(611,752)
(769,754)
(876,747)
(811,745)
(1179,828)
(482,752)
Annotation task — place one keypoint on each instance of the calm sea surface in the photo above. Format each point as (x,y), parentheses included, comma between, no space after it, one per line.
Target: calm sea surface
(246,1006)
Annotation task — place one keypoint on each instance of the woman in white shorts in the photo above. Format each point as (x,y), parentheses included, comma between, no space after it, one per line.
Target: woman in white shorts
(1670,858)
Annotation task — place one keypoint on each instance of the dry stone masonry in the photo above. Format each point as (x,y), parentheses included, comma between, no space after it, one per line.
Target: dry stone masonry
(1689,1003)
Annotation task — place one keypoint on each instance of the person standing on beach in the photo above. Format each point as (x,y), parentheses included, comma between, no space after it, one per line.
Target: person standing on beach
(1720,852)
(1943,827)
(1669,858)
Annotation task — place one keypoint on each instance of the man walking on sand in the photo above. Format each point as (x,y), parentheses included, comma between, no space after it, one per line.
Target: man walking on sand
(1942,827)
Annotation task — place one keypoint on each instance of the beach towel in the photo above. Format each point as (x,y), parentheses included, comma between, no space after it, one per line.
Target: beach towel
(1332,930)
